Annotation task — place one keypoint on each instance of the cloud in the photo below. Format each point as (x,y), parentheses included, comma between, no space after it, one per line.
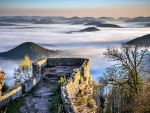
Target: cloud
(87,45)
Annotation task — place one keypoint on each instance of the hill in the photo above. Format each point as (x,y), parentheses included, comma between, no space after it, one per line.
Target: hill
(45,21)
(93,23)
(123,18)
(31,49)
(89,29)
(109,25)
(9,20)
(105,18)
(5,24)
(148,25)
(143,40)
(100,24)
(139,19)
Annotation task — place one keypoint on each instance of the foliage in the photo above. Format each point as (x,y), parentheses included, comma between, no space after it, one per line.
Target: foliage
(25,64)
(81,101)
(80,93)
(123,81)
(5,87)
(102,100)
(62,80)
(142,100)
(56,105)
(90,102)
(23,72)
(90,80)
(14,106)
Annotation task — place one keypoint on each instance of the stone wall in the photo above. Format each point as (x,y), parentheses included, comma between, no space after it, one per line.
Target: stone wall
(78,80)
(64,61)
(26,86)
(10,95)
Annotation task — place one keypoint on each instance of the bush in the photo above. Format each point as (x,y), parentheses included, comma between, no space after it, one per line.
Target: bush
(62,80)
(81,101)
(13,106)
(90,102)
(5,87)
(56,106)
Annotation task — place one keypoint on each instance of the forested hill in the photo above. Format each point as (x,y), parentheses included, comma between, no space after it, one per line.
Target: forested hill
(143,40)
(34,51)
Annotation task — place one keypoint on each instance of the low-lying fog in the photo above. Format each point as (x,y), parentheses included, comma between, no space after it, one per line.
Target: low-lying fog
(80,44)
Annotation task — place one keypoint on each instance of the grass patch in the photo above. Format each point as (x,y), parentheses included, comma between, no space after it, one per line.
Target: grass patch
(56,105)
(13,106)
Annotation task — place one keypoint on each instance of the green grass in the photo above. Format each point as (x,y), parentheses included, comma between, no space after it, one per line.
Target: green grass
(56,105)
(14,106)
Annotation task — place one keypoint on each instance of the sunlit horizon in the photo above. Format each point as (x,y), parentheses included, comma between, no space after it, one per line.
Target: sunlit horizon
(80,8)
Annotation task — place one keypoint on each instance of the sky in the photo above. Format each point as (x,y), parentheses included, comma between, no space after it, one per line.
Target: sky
(81,8)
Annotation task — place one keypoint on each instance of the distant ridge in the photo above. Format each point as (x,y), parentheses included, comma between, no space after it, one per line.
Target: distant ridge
(139,19)
(6,24)
(143,40)
(109,25)
(31,49)
(45,21)
(89,29)
(148,25)
(100,24)
(93,23)
(9,20)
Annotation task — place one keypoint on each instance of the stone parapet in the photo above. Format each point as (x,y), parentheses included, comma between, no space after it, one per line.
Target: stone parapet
(77,80)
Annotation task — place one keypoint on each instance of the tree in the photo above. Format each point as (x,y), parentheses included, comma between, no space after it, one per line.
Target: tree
(23,72)
(142,101)
(125,79)
(130,63)
(5,87)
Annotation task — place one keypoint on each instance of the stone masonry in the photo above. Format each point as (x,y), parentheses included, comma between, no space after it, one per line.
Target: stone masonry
(68,89)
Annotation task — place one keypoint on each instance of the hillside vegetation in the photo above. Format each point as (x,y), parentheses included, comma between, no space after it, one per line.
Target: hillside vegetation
(31,49)
(143,40)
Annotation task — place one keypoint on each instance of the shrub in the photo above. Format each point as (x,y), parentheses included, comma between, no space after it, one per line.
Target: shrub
(62,80)
(90,103)
(90,79)
(81,101)
(5,87)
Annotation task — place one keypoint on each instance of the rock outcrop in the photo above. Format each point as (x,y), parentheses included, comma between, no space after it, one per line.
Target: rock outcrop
(2,77)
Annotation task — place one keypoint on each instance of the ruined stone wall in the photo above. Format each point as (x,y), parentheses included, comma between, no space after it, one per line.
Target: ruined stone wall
(26,86)
(65,61)
(10,95)
(78,80)
(42,62)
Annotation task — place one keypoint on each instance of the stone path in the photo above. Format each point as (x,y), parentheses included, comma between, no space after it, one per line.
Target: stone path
(38,101)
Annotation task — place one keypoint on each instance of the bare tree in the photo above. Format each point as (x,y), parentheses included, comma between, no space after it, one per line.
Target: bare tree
(125,78)
(130,64)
